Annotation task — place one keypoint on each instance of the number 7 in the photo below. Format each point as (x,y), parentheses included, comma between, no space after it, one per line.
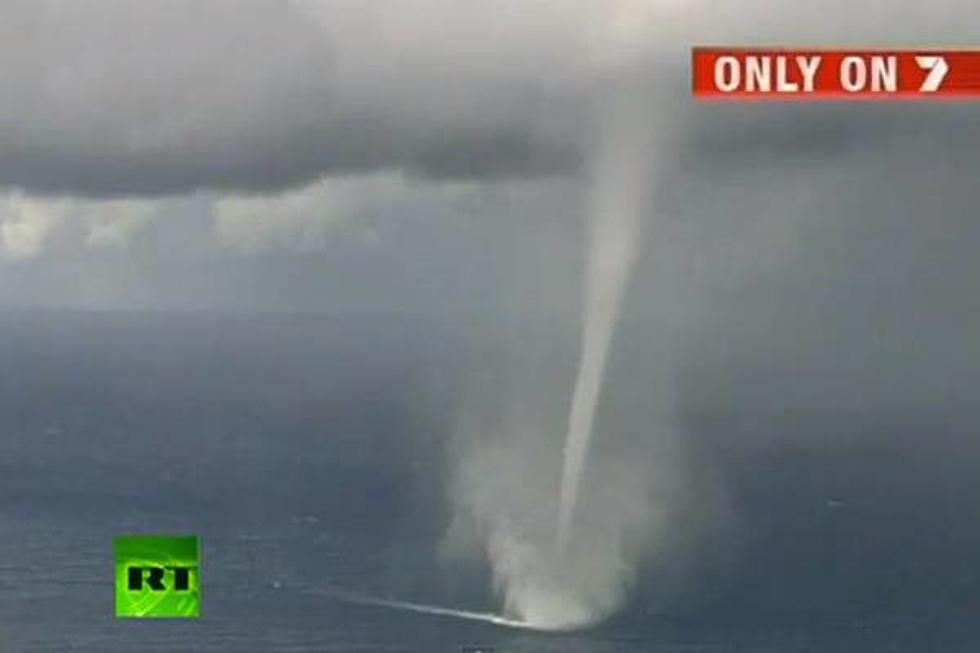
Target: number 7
(937,68)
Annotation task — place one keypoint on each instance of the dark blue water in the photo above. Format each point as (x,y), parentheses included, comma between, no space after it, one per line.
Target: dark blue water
(309,454)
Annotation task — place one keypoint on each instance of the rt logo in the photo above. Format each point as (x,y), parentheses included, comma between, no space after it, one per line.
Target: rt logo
(157,576)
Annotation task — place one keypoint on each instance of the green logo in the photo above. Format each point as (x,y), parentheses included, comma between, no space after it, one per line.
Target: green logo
(157,576)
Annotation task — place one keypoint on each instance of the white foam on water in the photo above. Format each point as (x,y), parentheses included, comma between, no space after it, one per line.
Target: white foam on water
(440,611)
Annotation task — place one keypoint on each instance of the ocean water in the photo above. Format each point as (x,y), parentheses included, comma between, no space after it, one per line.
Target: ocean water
(308,454)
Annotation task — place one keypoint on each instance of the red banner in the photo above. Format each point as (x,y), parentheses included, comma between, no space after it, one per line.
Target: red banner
(720,73)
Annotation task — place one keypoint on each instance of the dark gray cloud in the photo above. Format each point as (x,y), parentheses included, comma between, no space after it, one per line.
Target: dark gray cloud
(110,98)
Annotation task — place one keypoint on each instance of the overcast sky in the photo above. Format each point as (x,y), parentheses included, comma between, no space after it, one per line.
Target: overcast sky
(423,154)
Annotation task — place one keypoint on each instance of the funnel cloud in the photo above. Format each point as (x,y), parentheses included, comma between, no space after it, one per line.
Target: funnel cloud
(554,567)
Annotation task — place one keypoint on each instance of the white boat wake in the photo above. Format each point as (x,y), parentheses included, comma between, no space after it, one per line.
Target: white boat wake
(421,608)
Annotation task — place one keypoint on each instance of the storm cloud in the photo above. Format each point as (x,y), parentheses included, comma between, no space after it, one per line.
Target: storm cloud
(109,97)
